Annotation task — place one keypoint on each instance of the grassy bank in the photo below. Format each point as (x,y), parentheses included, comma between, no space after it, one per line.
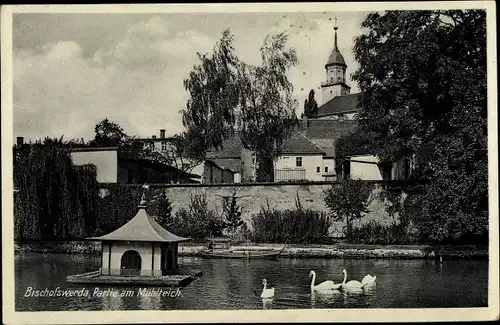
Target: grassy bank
(291,251)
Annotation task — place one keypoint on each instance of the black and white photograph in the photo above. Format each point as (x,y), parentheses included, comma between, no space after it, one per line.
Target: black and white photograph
(310,161)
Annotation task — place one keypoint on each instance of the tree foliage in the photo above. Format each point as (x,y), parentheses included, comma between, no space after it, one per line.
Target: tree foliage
(228,96)
(164,211)
(423,79)
(354,143)
(55,199)
(311,106)
(348,201)
(213,86)
(231,213)
(111,134)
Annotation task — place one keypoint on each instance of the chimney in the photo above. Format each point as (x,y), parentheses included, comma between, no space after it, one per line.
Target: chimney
(304,122)
(20,141)
(162,133)
(153,136)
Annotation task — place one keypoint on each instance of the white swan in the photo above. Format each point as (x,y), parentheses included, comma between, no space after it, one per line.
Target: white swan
(369,280)
(352,284)
(323,286)
(267,293)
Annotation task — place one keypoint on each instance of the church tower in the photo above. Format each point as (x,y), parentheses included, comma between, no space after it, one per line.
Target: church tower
(335,83)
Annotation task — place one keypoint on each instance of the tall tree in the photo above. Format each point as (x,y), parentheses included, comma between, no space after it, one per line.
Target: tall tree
(228,96)
(267,115)
(423,79)
(111,134)
(310,105)
(213,85)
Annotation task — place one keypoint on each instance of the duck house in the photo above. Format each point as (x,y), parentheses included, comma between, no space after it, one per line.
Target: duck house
(139,252)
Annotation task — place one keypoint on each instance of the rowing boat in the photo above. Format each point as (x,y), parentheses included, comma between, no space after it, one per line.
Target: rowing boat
(241,252)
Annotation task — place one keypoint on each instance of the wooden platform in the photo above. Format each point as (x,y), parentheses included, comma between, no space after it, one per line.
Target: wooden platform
(174,280)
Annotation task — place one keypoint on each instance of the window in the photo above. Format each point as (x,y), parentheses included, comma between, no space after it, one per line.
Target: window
(326,169)
(298,161)
(318,169)
(164,146)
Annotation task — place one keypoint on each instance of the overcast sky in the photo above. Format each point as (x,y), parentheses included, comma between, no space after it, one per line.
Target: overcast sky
(73,70)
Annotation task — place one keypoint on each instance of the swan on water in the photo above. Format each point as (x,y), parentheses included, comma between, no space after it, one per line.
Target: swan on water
(352,284)
(323,286)
(369,280)
(267,293)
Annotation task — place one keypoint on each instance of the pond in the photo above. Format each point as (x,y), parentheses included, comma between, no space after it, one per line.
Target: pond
(237,284)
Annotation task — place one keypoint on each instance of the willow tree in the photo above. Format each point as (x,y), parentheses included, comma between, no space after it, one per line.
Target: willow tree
(213,85)
(267,115)
(55,199)
(423,79)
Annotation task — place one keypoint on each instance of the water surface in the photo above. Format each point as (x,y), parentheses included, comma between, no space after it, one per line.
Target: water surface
(236,284)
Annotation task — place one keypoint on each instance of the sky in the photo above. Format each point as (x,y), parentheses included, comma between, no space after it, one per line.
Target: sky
(70,71)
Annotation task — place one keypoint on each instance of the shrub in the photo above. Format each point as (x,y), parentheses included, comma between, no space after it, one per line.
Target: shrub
(375,233)
(299,226)
(197,222)
(231,214)
(164,211)
(348,201)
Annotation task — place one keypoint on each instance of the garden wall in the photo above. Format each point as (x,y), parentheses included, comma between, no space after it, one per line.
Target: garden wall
(281,197)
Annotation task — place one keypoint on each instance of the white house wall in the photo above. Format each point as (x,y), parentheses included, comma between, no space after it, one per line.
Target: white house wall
(309,164)
(365,168)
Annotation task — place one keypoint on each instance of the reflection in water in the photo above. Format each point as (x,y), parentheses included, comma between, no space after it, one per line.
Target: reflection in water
(234,284)
(267,303)
(149,302)
(112,302)
(325,297)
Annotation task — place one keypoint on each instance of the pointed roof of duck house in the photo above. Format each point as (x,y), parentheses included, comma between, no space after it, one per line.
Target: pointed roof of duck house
(141,228)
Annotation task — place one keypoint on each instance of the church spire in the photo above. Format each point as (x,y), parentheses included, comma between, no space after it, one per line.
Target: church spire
(335,83)
(335,45)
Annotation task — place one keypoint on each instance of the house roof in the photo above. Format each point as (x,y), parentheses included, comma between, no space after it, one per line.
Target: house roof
(141,228)
(233,164)
(327,146)
(231,148)
(329,129)
(340,104)
(299,144)
(158,166)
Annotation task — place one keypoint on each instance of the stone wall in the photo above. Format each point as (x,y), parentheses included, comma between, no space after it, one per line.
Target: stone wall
(280,197)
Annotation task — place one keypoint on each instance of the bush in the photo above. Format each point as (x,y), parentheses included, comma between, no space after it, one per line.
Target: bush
(197,222)
(348,201)
(299,226)
(377,234)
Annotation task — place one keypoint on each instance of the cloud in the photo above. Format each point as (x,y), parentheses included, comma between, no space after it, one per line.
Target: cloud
(134,76)
(137,83)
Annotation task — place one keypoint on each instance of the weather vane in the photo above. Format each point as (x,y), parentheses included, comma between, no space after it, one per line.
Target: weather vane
(143,199)
(335,26)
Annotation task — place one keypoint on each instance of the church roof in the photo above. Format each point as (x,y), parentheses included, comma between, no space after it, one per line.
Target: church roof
(335,58)
(339,104)
(331,130)
(141,228)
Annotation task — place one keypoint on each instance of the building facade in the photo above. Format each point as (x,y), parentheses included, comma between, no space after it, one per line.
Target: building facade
(234,162)
(166,147)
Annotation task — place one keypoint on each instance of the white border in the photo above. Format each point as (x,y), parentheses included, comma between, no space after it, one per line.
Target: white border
(298,315)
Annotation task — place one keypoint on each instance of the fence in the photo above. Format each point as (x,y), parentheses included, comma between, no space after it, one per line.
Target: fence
(291,174)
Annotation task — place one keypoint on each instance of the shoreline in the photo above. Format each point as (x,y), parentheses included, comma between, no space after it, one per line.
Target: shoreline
(340,250)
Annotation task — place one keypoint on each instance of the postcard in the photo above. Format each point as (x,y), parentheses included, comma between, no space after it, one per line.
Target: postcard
(315,162)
